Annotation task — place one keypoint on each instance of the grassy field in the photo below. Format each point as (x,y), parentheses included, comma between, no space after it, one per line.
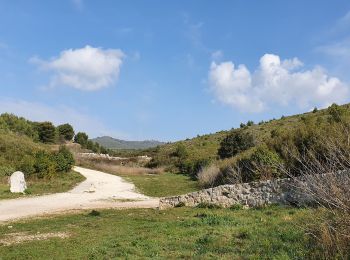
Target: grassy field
(59,183)
(269,233)
(161,185)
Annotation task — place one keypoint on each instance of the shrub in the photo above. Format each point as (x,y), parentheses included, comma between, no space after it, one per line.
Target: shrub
(45,164)
(65,132)
(6,170)
(234,143)
(181,151)
(336,112)
(64,160)
(262,164)
(27,165)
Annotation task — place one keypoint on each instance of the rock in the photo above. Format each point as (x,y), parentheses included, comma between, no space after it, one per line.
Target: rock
(17,182)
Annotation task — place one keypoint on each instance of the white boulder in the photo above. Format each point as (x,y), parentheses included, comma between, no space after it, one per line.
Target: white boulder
(17,182)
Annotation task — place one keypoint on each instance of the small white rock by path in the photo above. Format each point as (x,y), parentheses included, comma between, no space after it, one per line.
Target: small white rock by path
(17,182)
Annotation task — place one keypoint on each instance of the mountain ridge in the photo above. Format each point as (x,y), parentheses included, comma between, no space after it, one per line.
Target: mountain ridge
(119,144)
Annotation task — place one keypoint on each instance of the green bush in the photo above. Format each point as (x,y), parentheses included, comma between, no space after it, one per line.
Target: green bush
(262,164)
(6,170)
(181,151)
(64,160)
(234,143)
(27,165)
(45,164)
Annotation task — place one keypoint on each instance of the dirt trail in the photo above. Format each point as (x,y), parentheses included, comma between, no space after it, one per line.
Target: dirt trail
(99,190)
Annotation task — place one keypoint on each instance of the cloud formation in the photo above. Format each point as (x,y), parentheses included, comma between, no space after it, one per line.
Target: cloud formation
(86,69)
(275,82)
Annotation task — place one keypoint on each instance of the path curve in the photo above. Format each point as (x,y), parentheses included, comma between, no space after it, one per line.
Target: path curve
(99,190)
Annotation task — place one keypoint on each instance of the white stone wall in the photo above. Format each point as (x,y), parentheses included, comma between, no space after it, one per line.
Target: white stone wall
(253,194)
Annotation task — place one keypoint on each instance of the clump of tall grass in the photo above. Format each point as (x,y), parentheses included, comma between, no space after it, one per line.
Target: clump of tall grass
(207,176)
(326,179)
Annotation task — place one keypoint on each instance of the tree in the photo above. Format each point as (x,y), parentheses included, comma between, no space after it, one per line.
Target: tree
(46,132)
(66,132)
(234,143)
(81,138)
(250,123)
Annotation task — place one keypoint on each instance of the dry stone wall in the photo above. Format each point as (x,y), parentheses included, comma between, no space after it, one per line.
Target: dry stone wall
(253,194)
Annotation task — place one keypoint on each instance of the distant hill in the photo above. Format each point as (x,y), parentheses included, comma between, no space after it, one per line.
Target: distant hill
(117,144)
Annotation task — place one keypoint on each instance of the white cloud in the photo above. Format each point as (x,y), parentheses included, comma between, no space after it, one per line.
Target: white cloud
(58,115)
(275,82)
(337,50)
(87,68)
(217,55)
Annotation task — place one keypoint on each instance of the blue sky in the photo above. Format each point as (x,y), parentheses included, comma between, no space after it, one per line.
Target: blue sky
(169,70)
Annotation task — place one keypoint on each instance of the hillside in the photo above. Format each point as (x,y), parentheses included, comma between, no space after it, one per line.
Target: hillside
(117,144)
(47,166)
(205,147)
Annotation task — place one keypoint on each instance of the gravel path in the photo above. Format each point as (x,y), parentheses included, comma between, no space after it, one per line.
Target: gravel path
(99,190)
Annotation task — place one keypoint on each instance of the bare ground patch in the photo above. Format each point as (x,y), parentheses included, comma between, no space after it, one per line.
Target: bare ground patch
(21,237)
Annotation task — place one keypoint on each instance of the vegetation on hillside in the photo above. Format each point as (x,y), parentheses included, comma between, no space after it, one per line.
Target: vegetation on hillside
(27,146)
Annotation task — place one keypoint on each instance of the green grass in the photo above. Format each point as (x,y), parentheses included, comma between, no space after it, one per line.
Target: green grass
(161,185)
(270,233)
(59,183)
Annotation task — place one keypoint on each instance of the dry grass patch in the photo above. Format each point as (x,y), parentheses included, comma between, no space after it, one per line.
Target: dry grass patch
(21,237)
(118,169)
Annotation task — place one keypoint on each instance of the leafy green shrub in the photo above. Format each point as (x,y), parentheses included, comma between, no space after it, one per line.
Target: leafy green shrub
(45,164)
(27,165)
(336,112)
(6,170)
(64,160)
(234,143)
(181,152)
(262,164)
